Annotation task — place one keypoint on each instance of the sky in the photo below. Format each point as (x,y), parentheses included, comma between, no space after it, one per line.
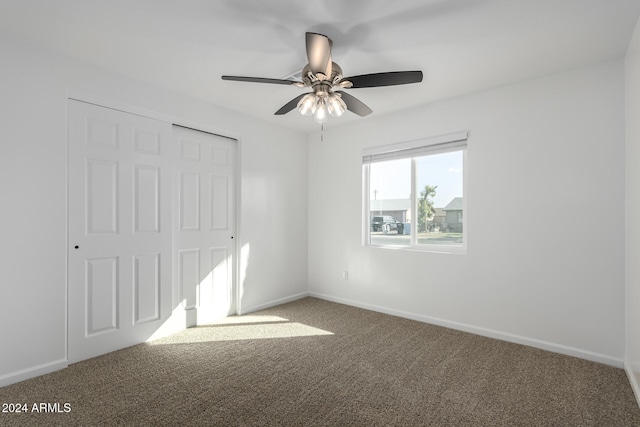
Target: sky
(392,179)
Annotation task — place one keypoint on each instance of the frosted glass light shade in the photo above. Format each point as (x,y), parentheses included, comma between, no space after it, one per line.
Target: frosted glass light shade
(321,113)
(307,104)
(336,105)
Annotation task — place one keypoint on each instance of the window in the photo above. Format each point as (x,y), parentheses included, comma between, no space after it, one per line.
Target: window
(414,194)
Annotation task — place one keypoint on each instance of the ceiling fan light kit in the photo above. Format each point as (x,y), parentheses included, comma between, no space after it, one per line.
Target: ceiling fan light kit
(319,106)
(322,76)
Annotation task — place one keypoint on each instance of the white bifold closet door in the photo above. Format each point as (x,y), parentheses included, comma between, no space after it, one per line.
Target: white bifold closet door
(205,245)
(120,237)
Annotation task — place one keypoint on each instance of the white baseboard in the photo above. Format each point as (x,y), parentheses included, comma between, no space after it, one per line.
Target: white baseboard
(36,371)
(633,380)
(490,333)
(273,303)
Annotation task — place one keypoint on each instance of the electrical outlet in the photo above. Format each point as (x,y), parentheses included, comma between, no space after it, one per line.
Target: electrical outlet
(345,275)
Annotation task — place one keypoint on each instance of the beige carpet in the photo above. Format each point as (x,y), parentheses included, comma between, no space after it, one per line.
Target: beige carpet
(317,363)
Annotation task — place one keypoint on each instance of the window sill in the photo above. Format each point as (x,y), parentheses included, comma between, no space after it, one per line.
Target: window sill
(457,250)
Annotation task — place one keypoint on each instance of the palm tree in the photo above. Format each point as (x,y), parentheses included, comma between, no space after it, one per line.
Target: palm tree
(425,206)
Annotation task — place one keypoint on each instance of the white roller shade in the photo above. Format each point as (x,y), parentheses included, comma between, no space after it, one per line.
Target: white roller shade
(438,144)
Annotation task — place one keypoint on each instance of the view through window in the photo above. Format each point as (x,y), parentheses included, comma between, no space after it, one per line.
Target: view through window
(390,202)
(415,196)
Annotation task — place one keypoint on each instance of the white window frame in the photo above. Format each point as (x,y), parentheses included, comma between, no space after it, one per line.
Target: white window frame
(411,150)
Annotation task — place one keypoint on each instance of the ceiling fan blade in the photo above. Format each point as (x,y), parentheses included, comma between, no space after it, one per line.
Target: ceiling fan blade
(259,80)
(354,104)
(391,78)
(289,105)
(319,53)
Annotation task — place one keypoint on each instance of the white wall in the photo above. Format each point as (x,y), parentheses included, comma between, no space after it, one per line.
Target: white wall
(632,266)
(33,167)
(545,261)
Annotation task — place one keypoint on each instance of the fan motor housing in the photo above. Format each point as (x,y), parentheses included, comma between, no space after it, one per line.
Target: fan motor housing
(310,79)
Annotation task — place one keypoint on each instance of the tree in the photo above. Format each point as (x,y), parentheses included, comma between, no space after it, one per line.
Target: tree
(425,207)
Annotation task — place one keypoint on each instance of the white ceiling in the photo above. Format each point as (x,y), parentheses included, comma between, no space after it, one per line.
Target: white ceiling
(461,46)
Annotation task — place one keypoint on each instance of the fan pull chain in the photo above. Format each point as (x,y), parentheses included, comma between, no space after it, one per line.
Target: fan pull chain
(321,132)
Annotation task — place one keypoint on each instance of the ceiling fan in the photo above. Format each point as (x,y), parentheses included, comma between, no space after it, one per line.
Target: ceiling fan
(324,77)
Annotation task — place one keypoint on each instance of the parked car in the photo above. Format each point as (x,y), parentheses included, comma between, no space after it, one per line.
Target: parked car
(386,224)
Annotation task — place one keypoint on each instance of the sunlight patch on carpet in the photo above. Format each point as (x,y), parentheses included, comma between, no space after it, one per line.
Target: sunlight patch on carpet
(249,318)
(242,328)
